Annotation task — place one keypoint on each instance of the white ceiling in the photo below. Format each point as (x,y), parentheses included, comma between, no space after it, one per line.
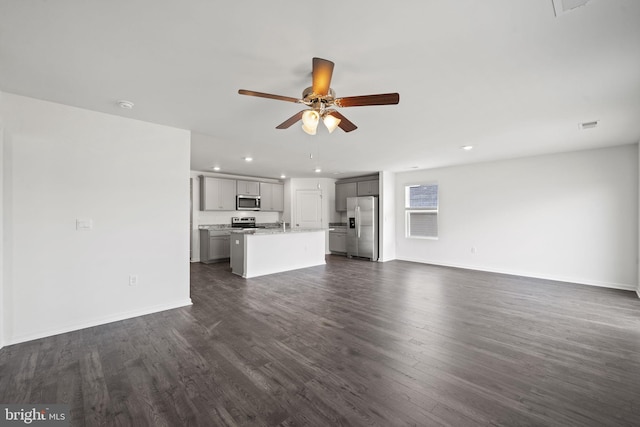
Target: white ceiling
(506,76)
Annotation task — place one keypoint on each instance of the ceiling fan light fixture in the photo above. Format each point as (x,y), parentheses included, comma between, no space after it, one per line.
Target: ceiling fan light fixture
(310,120)
(331,122)
(310,130)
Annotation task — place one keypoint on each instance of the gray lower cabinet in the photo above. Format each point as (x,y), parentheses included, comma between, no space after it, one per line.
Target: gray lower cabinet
(271,197)
(214,246)
(338,241)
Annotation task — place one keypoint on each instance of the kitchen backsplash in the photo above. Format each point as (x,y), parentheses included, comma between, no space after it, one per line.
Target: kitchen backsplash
(224,217)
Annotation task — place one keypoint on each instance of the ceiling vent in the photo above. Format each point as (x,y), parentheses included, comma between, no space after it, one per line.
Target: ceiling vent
(563,6)
(589,125)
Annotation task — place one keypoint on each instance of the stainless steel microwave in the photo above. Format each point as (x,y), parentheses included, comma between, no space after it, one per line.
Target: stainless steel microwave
(248,203)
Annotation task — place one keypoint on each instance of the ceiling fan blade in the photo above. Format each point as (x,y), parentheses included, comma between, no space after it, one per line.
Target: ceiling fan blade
(291,120)
(322,72)
(344,124)
(268,95)
(364,100)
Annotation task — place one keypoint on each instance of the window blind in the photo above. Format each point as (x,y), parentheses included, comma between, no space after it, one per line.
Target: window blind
(422,224)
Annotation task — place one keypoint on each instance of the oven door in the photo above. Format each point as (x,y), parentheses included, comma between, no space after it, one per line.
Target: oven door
(248,203)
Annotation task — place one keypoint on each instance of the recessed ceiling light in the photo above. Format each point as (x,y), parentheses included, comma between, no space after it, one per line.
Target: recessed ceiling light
(317,170)
(467,147)
(127,105)
(283,176)
(216,168)
(248,159)
(588,125)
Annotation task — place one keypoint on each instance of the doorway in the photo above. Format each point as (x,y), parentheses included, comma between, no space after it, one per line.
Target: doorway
(308,209)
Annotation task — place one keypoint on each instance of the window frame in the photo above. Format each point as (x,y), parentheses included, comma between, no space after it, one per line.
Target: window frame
(417,210)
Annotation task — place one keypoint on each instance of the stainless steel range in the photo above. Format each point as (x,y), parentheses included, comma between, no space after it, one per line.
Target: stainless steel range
(244,222)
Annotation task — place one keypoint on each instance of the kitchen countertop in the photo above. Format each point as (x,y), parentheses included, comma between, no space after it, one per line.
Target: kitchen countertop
(338,226)
(224,227)
(227,228)
(264,231)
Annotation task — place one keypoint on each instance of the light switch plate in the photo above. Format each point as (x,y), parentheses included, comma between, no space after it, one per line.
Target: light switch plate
(84,224)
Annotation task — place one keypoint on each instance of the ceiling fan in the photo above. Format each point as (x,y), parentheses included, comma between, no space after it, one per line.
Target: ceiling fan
(321,100)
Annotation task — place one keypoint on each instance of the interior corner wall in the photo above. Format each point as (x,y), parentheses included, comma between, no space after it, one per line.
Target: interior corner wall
(387,216)
(569,217)
(128,179)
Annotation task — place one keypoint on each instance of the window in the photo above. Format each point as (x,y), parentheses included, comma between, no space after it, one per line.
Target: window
(421,210)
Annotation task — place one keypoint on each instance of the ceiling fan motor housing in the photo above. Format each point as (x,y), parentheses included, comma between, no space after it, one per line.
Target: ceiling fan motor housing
(317,102)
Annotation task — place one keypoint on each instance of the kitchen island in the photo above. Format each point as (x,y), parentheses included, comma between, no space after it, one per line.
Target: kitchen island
(267,251)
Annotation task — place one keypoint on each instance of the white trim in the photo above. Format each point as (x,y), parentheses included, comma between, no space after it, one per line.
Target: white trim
(102,321)
(609,285)
(422,237)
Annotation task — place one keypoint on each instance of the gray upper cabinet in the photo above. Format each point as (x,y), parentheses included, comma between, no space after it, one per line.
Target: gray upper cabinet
(217,194)
(344,190)
(271,197)
(368,188)
(248,188)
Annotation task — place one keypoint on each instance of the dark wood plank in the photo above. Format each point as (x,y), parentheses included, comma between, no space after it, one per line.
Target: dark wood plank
(350,343)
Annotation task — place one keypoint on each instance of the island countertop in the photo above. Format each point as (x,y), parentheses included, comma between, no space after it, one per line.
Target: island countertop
(263,231)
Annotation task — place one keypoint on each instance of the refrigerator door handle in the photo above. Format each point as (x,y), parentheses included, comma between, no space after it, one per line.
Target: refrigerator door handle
(358,221)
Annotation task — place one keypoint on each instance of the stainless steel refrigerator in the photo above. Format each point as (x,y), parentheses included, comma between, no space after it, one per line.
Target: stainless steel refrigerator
(362,227)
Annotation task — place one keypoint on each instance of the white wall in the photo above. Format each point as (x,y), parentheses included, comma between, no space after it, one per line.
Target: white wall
(130,178)
(2,248)
(569,217)
(221,217)
(387,223)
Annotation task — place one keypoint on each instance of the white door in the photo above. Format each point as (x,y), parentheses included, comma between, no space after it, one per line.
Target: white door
(308,209)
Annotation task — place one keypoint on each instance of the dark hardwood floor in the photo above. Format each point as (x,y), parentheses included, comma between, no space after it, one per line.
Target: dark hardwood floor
(349,343)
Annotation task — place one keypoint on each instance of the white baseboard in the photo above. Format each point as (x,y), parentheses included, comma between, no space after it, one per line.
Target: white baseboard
(610,285)
(100,321)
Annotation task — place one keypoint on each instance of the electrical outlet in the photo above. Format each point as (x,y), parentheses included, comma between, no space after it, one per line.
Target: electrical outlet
(133,280)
